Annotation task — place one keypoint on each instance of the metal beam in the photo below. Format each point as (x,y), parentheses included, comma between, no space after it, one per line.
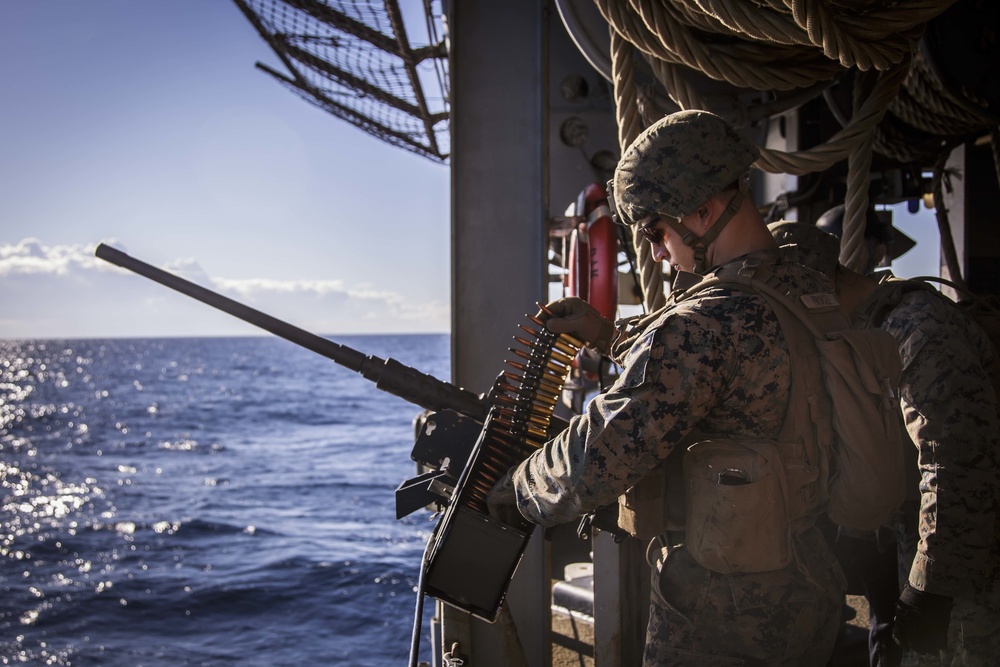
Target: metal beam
(498,248)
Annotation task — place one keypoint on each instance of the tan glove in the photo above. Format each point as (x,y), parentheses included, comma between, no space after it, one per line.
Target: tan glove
(578,318)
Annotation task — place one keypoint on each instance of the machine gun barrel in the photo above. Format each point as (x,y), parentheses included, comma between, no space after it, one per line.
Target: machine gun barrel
(388,375)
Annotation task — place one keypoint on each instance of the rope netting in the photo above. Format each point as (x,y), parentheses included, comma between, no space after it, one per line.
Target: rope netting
(354,59)
(789,45)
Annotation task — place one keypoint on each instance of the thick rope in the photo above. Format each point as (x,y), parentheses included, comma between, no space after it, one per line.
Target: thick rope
(844,142)
(926,104)
(929,113)
(656,32)
(780,45)
(740,111)
(880,40)
(853,249)
(626,98)
(677,85)
(629,127)
(668,41)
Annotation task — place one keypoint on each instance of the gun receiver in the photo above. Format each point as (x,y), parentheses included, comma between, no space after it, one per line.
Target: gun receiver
(388,375)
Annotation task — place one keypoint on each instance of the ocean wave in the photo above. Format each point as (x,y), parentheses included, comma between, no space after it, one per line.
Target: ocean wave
(247,520)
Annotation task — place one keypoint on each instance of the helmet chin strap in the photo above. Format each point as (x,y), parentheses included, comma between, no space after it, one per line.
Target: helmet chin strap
(700,243)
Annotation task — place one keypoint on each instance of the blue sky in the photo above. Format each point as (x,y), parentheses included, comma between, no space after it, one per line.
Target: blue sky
(146,125)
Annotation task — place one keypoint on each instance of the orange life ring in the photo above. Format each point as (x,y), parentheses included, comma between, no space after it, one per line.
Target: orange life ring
(593,254)
(603,282)
(592,260)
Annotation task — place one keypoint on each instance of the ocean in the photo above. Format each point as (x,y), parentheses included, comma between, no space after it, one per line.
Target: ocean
(206,501)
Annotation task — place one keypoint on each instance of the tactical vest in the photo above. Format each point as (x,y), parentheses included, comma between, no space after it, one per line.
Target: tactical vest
(737,503)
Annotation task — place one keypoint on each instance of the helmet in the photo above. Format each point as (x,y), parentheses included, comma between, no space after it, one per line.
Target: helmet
(876,229)
(677,163)
(832,222)
(813,247)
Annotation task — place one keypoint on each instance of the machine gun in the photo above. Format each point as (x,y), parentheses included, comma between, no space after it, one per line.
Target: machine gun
(467,442)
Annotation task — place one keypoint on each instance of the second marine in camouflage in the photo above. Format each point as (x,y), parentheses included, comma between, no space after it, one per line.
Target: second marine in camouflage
(947,534)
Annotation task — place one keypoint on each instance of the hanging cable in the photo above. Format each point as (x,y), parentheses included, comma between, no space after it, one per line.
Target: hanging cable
(418,616)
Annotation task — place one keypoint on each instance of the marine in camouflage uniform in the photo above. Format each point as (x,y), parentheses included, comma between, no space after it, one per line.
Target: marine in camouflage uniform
(717,363)
(948,540)
(949,547)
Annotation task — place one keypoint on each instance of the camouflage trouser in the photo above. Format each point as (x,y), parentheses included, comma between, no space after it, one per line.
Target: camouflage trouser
(786,617)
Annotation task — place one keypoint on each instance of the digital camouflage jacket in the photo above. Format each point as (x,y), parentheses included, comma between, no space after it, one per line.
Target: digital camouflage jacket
(717,362)
(949,408)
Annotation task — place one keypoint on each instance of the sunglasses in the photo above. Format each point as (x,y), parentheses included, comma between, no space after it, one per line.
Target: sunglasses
(652,233)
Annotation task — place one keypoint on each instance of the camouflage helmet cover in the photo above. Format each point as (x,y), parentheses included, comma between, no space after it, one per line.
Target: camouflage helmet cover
(814,247)
(677,163)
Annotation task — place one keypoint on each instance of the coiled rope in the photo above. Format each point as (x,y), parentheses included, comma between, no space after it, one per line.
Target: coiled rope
(629,127)
(779,45)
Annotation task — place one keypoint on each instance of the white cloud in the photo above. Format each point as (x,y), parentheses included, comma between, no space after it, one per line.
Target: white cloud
(251,286)
(67,292)
(31,257)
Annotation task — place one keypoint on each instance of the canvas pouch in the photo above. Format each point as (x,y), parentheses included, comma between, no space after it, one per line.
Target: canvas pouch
(736,506)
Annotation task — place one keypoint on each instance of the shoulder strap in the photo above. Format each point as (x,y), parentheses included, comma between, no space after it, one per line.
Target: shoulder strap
(819,312)
(923,281)
(841,423)
(804,439)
